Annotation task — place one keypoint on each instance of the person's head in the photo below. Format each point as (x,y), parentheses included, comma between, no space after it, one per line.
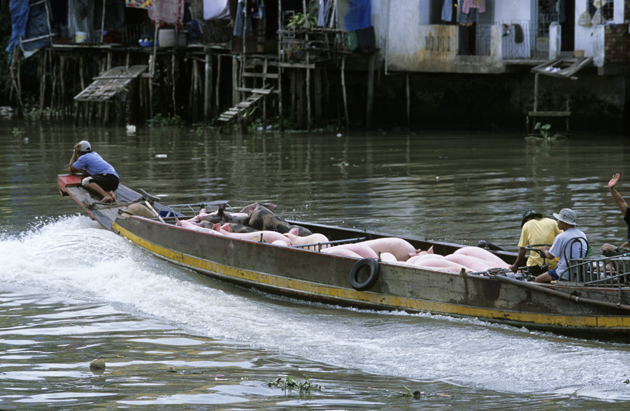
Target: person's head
(529,214)
(85,147)
(566,218)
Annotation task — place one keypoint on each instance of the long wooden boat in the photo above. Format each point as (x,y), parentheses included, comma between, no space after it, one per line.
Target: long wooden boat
(588,306)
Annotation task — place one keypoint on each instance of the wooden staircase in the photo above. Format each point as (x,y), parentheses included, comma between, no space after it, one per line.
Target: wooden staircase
(253,70)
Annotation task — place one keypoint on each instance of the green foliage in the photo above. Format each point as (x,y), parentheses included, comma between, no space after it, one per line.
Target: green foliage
(289,384)
(163,121)
(298,21)
(544,130)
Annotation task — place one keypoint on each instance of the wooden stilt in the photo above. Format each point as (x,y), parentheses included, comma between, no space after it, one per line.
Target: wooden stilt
(343,86)
(293,92)
(217,109)
(62,83)
(370,91)
(264,102)
(234,80)
(173,63)
(408,101)
(42,82)
(208,88)
(280,70)
(318,95)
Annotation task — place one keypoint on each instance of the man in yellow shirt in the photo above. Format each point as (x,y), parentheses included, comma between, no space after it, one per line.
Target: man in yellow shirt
(535,229)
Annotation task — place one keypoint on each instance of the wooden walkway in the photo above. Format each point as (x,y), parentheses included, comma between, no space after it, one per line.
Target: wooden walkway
(109,84)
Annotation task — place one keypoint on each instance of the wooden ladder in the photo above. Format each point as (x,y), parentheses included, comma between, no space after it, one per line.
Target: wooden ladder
(255,96)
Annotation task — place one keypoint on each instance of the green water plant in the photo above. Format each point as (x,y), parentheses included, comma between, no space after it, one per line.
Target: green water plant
(289,384)
(544,131)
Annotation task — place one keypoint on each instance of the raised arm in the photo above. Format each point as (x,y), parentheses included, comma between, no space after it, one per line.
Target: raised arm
(615,194)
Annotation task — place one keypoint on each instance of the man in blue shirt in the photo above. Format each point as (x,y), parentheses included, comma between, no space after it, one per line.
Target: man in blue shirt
(101,178)
(623,207)
(570,244)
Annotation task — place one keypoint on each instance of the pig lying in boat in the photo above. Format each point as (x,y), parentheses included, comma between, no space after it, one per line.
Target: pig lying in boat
(390,250)
(257,216)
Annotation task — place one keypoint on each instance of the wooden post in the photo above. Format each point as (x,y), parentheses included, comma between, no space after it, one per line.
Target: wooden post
(535,99)
(343,86)
(408,101)
(218,83)
(568,111)
(62,62)
(280,40)
(264,83)
(234,80)
(292,92)
(42,82)
(318,95)
(308,70)
(370,91)
(208,88)
(173,62)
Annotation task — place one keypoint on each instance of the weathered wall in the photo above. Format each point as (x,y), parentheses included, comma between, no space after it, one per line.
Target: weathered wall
(486,102)
(618,40)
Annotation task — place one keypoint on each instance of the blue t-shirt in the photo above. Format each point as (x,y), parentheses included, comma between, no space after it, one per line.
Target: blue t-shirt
(578,249)
(94,164)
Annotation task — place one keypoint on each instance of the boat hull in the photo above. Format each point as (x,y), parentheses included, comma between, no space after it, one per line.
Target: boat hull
(322,277)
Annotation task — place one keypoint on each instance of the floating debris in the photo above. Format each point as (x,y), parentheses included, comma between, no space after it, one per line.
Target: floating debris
(97,366)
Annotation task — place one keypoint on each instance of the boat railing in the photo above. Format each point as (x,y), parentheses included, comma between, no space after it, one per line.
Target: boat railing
(600,270)
(318,246)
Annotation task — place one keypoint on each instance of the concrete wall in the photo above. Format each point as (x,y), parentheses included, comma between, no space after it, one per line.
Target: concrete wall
(508,10)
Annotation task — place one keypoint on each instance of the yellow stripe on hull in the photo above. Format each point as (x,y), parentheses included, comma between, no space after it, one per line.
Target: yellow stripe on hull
(386,301)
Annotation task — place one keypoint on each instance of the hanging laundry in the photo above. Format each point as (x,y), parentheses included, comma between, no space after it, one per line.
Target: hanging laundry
(139,4)
(447,10)
(168,11)
(518,34)
(238,24)
(480,5)
(466,19)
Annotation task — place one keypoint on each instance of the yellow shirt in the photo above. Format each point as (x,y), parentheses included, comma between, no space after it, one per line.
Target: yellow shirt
(539,231)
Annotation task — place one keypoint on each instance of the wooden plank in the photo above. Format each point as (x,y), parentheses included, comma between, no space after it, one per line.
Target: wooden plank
(297,65)
(260,75)
(545,64)
(549,113)
(251,90)
(265,91)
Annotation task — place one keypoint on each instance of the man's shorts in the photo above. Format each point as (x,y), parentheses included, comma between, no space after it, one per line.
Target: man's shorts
(534,269)
(108,182)
(553,274)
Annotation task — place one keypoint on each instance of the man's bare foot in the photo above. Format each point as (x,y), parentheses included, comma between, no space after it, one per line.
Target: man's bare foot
(108,199)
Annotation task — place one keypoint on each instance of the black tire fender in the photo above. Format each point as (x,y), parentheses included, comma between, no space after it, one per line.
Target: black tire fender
(372,264)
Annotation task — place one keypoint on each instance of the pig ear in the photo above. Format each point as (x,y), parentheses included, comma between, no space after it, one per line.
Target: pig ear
(248,209)
(177,222)
(430,250)
(294,231)
(226,227)
(270,206)
(216,227)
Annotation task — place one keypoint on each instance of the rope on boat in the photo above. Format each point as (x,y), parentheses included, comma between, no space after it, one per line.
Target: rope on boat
(559,293)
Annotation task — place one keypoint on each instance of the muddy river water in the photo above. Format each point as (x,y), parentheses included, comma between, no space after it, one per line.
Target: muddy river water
(176,340)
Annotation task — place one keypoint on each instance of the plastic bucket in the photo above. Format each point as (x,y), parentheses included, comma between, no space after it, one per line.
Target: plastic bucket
(80,37)
(166,38)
